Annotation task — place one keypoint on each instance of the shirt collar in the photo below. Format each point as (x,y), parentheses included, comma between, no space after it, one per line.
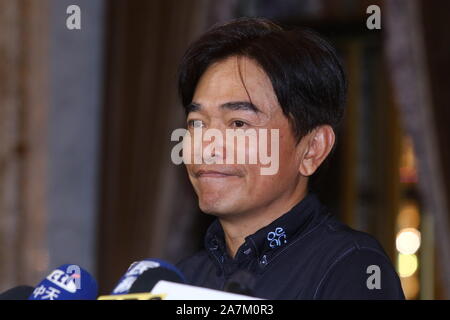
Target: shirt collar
(264,243)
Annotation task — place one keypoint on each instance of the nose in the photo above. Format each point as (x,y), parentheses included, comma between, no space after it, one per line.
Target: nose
(213,146)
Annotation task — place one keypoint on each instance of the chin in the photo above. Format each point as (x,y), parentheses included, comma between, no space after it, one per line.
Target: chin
(217,206)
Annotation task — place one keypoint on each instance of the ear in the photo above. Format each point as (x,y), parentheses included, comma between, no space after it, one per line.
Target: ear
(316,147)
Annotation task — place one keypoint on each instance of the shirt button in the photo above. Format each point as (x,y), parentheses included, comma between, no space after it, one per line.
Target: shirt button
(263,260)
(214,244)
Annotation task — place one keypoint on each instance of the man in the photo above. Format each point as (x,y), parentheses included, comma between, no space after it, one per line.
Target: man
(251,74)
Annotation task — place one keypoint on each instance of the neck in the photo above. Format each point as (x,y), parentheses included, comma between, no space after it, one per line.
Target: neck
(238,227)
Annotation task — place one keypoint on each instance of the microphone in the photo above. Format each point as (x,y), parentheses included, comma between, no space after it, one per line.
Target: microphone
(241,282)
(159,268)
(151,277)
(166,282)
(67,282)
(17,293)
(166,290)
(176,291)
(141,277)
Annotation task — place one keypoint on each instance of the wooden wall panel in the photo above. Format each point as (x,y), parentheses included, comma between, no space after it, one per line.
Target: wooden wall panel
(23,116)
(146,201)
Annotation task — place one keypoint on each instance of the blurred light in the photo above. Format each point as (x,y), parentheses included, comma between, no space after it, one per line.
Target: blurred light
(407,264)
(408,240)
(409,216)
(408,172)
(408,175)
(410,287)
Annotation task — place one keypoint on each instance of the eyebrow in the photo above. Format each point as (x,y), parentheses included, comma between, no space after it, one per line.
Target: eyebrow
(235,105)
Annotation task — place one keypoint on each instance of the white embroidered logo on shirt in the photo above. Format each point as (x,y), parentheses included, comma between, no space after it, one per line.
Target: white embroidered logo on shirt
(276,238)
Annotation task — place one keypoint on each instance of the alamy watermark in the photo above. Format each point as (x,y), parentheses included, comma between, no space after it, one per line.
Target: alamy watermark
(374,280)
(73,21)
(373,22)
(253,146)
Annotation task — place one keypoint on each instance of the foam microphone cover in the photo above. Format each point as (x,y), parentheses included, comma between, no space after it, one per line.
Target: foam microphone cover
(137,268)
(149,278)
(17,293)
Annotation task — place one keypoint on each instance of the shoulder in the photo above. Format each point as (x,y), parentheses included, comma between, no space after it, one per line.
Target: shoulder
(357,268)
(336,240)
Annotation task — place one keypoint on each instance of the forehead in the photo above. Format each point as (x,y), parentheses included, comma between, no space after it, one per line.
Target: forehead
(236,79)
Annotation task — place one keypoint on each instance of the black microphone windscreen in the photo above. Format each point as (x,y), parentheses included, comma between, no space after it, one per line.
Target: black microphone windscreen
(17,293)
(147,280)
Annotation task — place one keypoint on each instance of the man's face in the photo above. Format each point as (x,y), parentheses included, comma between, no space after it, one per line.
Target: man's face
(227,190)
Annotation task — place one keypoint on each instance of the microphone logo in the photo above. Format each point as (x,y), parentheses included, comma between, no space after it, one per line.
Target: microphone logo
(133,272)
(138,268)
(68,282)
(49,293)
(76,274)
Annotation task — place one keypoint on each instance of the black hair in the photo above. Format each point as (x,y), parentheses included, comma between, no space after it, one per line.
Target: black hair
(305,72)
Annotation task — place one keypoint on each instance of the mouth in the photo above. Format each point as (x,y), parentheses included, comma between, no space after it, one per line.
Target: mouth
(214,174)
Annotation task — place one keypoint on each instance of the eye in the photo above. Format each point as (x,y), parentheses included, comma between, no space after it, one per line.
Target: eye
(195,124)
(239,123)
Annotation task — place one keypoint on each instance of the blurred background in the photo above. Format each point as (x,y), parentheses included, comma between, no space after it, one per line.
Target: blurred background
(86,116)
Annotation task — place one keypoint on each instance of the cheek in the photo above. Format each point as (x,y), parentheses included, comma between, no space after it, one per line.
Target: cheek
(189,167)
(262,186)
(288,150)
(285,156)
(252,151)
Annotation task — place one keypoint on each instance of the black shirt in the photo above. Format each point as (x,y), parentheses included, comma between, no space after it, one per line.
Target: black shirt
(305,254)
